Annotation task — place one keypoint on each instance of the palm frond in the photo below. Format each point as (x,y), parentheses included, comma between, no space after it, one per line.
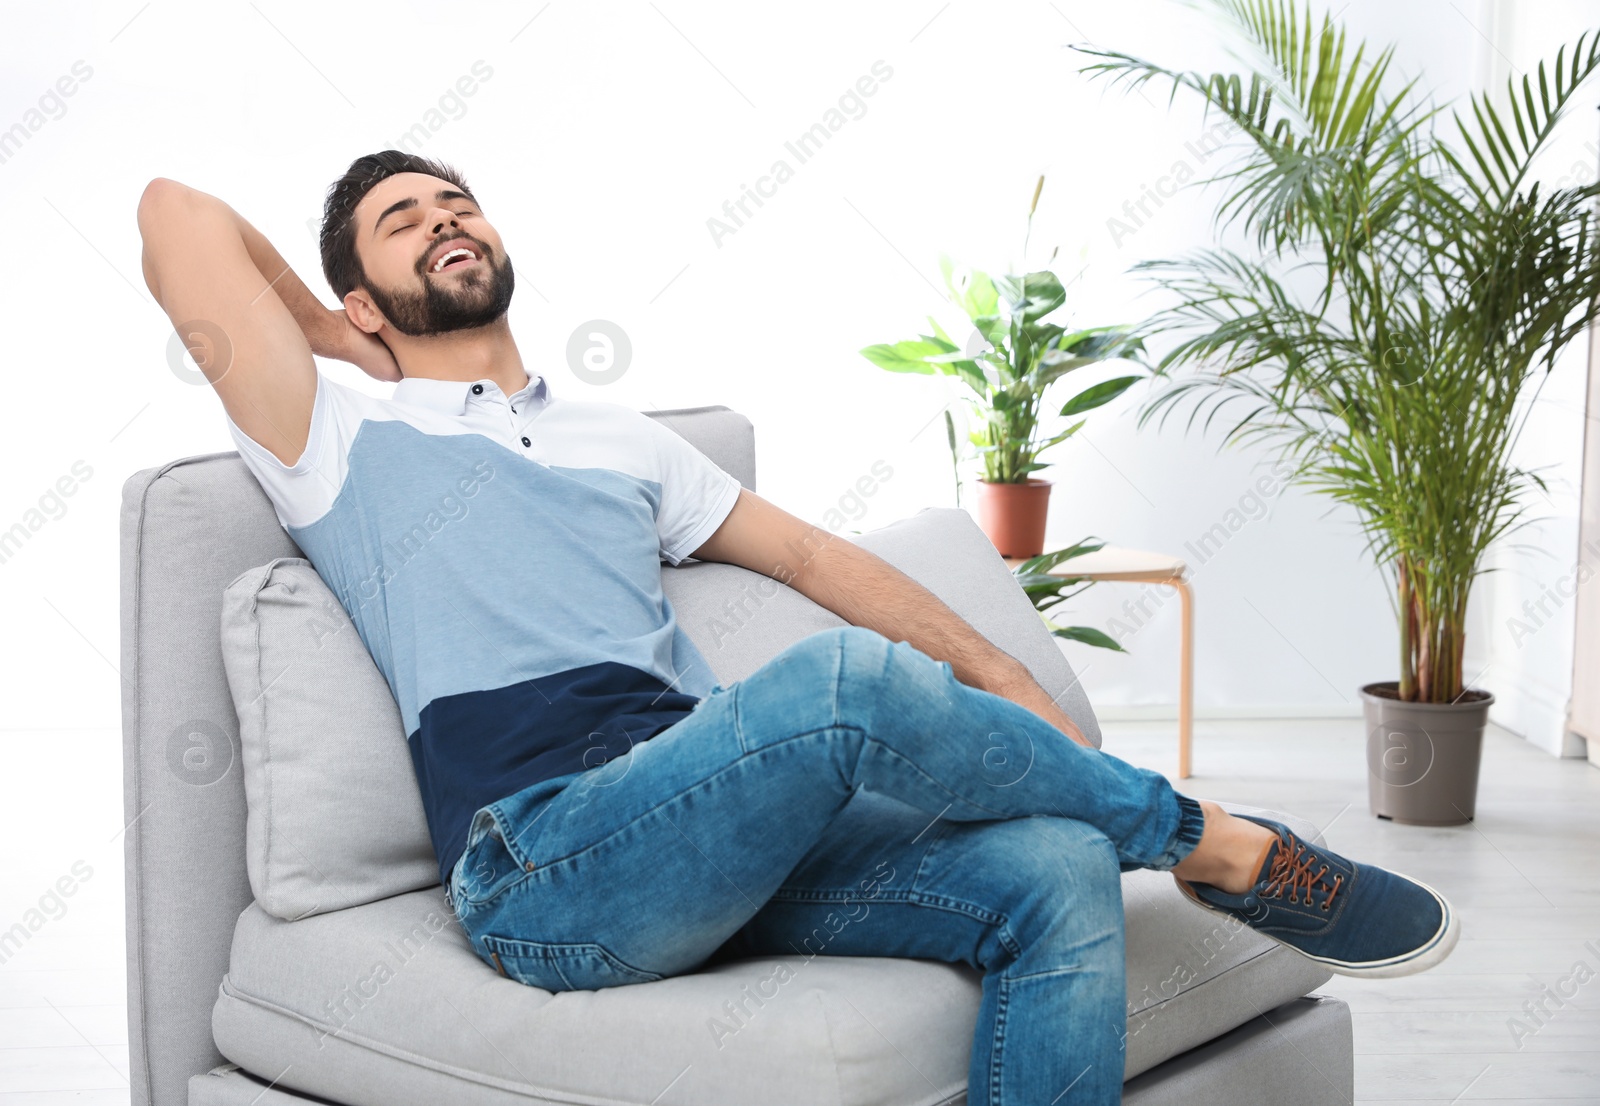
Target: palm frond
(1502,179)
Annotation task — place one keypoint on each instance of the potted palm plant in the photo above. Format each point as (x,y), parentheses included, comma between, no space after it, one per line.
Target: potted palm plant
(1449,283)
(1012,358)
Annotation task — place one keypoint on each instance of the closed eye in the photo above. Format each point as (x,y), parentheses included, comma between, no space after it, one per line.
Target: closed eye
(408,226)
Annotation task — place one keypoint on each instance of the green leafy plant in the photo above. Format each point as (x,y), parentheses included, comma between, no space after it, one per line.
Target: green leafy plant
(1447,282)
(1014,355)
(1046,591)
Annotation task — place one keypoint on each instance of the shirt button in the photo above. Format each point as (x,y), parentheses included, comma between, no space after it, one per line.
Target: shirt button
(477,389)
(526,442)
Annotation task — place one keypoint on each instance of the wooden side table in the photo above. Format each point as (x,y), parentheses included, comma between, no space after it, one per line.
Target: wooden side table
(1136,566)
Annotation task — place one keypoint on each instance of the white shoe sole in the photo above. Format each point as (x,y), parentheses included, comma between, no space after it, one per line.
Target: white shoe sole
(1419,959)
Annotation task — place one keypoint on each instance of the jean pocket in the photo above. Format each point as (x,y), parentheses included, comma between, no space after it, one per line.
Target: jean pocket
(561,966)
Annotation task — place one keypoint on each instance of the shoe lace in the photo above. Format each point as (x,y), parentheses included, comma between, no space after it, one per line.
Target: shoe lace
(1291,870)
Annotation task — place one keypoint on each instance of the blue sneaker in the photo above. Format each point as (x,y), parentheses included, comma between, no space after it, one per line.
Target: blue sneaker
(1358,919)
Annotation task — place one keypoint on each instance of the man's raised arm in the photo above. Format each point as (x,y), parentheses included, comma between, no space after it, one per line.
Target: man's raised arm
(219,279)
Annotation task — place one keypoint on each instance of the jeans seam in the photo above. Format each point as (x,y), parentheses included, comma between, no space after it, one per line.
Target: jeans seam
(996,1060)
(738,724)
(838,674)
(971,910)
(1000,921)
(602,952)
(933,842)
(836,896)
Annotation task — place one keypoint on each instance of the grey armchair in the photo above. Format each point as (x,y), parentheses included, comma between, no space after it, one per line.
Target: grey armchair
(228,1004)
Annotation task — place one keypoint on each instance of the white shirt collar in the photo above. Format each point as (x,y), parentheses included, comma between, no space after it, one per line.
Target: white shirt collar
(450,396)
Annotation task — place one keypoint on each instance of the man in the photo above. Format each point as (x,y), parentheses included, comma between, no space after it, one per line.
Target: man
(603,811)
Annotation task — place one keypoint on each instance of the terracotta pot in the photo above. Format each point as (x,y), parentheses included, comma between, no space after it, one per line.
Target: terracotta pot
(1423,758)
(1013,515)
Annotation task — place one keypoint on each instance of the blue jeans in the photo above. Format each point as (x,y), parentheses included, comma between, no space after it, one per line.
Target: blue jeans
(848,776)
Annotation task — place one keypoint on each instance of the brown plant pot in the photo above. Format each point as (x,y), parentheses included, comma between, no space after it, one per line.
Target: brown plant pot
(1423,758)
(1012,516)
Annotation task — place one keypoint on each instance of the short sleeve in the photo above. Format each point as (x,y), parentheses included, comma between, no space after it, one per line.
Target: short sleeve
(303,491)
(696,495)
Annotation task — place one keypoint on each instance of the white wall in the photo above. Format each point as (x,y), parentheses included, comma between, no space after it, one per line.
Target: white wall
(1524,612)
(604,141)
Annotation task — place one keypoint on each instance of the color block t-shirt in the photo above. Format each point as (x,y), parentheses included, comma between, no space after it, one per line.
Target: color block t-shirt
(500,557)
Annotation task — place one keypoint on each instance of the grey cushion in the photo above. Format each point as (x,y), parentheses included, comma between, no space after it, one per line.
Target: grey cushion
(335,818)
(386,1003)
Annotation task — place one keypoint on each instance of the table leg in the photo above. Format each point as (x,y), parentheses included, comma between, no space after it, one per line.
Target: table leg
(1185,678)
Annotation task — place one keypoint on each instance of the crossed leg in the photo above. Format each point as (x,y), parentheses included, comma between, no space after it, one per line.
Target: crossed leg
(647,865)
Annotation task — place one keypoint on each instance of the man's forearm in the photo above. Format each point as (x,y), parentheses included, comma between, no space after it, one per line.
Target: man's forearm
(866,590)
(315,320)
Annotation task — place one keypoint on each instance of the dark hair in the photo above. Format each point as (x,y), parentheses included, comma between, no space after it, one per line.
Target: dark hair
(340,263)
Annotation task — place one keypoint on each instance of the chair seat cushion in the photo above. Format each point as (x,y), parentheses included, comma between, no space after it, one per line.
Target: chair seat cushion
(385,1003)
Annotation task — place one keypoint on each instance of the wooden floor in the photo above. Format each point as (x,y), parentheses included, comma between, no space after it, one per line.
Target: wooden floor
(1525,876)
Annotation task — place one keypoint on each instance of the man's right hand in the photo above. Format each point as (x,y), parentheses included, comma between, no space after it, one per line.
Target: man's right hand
(348,342)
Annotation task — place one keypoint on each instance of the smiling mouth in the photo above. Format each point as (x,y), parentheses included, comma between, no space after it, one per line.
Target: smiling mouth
(459,258)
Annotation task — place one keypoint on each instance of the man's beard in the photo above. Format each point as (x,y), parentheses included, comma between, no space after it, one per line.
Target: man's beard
(473,299)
